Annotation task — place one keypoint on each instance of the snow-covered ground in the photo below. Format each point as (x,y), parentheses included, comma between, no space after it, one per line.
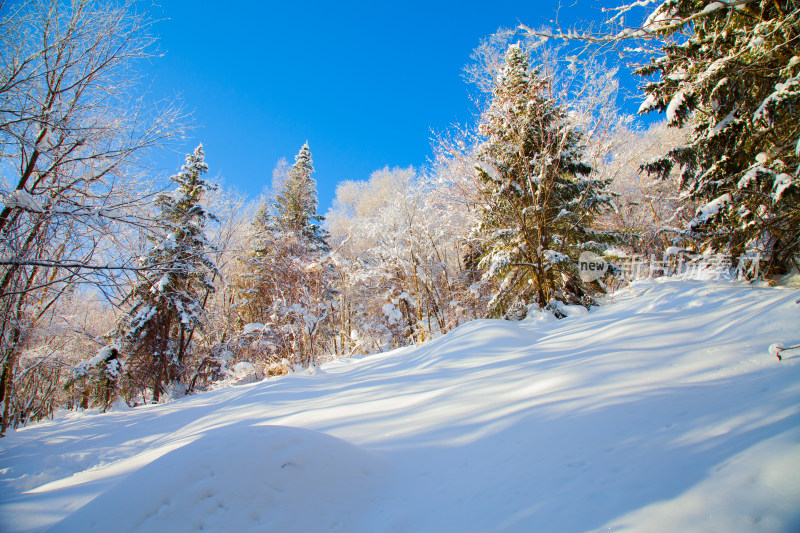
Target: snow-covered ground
(663,411)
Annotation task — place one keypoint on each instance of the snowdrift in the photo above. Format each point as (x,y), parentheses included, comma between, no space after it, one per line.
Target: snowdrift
(661,411)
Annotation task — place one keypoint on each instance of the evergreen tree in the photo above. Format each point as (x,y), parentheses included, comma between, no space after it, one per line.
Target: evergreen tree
(729,70)
(282,287)
(296,202)
(538,200)
(179,274)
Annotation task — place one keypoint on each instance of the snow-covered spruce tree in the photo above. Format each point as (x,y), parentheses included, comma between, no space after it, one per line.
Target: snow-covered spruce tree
(730,70)
(178,276)
(538,199)
(296,202)
(282,289)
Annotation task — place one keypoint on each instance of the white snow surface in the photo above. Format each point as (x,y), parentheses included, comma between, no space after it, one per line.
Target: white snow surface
(660,412)
(675,104)
(24,200)
(253,327)
(648,104)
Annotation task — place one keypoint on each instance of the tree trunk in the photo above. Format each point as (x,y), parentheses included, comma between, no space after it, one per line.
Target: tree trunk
(8,379)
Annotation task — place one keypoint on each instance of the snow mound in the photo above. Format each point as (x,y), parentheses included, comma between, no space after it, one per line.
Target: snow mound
(231,479)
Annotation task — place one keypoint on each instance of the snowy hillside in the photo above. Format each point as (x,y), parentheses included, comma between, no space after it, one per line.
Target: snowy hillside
(662,411)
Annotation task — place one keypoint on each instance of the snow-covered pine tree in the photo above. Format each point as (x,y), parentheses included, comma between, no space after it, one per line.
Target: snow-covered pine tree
(179,274)
(730,70)
(538,198)
(296,202)
(282,290)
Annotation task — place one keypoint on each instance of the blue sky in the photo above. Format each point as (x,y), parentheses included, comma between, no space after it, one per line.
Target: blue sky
(364,83)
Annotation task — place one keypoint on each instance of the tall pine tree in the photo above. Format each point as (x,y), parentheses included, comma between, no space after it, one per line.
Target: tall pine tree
(296,202)
(538,199)
(282,287)
(179,275)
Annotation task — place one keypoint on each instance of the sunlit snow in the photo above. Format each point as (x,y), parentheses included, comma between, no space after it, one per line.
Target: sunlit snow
(662,411)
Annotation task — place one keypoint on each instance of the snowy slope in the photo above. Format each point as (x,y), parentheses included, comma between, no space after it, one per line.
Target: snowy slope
(662,411)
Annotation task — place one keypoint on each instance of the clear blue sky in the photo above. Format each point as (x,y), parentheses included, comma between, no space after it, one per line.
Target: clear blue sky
(364,83)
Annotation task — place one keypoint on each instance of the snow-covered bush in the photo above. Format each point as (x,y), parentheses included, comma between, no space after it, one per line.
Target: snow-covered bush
(401,244)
